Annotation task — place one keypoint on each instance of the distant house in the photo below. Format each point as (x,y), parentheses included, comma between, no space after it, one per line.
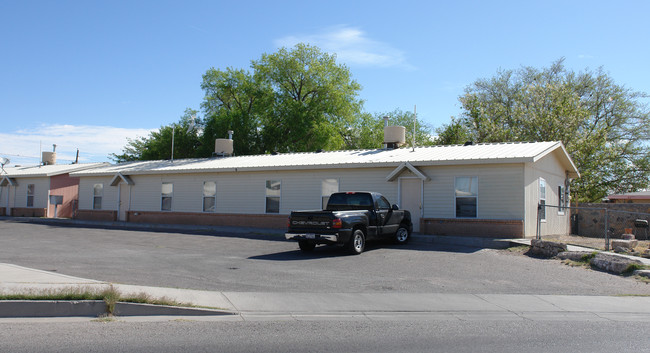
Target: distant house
(632,197)
(489,190)
(40,191)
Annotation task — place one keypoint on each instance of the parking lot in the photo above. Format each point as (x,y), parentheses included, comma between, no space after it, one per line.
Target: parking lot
(258,262)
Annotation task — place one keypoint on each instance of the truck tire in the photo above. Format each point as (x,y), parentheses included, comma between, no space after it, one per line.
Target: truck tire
(306,246)
(402,235)
(357,242)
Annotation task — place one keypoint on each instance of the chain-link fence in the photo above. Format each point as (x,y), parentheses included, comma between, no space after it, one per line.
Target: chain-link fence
(595,225)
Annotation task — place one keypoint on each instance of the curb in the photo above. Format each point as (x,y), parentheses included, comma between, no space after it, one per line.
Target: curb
(95,308)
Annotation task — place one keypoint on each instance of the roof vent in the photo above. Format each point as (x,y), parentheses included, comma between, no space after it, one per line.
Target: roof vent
(394,136)
(224,147)
(49,158)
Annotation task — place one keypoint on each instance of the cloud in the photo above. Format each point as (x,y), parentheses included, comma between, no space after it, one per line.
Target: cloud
(585,56)
(95,143)
(352,46)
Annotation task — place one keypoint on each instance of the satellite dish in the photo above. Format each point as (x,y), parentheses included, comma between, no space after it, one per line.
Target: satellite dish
(4,161)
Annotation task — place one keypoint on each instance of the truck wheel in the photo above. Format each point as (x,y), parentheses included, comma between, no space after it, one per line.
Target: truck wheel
(357,242)
(402,235)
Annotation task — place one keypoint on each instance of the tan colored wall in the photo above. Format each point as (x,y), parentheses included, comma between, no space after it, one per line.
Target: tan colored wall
(473,227)
(551,170)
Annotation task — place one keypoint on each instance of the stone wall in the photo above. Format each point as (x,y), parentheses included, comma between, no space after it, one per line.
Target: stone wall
(591,222)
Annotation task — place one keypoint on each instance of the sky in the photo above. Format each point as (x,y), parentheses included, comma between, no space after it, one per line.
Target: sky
(90,74)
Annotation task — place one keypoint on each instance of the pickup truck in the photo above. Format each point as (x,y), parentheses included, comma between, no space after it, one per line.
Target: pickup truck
(350,219)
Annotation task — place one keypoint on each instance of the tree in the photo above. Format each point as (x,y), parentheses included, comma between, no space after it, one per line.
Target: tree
(604,126)
(314,99)
(454,133)
(159,143)
(367,131)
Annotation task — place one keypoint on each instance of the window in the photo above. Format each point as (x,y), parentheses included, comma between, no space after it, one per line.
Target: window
(209,196)
(329,187)
(167,191)
(30,195)
(383,204)
(98,193)
(466,197)
(542,199)
(273,191)
(561,197)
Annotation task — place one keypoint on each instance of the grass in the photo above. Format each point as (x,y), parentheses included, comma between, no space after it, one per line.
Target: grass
(109,294)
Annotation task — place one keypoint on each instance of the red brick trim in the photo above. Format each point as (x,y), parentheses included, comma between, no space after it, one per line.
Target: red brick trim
(210,219)
(487,228)
(97,215)
(28,212)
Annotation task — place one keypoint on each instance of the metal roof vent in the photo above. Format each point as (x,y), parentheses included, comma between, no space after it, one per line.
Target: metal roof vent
(394,136)
(224,147)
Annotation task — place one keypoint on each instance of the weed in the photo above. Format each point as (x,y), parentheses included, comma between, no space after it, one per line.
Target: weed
(633,267)
(588,257)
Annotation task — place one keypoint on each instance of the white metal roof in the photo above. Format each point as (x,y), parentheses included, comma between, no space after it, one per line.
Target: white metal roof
(47,170)
(436,155)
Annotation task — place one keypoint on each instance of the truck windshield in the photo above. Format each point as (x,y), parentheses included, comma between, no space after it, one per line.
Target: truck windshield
(344,201)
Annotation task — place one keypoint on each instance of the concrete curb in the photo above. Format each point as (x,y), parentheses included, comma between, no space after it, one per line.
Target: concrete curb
(95,308)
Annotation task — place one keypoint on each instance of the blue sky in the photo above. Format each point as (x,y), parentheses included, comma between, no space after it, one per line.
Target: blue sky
(89,74)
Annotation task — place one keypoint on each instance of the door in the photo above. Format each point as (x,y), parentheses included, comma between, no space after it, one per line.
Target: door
(125,200)
(411,199)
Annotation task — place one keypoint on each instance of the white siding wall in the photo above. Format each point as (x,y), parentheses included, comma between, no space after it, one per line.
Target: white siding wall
(4,191)
(551,170)
(109,199)
(41,191)
(500,190)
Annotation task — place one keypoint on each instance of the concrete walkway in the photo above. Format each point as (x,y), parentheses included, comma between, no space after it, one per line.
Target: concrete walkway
(254,306)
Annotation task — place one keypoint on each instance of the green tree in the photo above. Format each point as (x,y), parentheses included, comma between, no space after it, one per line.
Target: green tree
(367,131)
(603,125)
(314,99)
(233,101)
(454,133)
(159,143)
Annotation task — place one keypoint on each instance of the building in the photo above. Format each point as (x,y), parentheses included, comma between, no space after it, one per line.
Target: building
(632,197)
(489,190)
(40,191)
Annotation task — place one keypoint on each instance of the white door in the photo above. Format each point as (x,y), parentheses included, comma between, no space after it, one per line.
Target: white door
(411,199)
(125,200)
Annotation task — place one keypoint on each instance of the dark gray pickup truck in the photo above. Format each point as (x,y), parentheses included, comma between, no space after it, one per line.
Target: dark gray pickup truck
(350,219)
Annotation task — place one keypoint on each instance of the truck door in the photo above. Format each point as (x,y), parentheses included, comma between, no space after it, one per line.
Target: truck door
(384,217)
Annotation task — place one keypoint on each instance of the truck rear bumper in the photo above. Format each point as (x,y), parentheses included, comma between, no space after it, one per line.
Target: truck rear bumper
(325,238)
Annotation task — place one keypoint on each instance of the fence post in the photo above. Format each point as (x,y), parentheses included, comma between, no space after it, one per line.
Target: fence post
(606,230)
(538,231)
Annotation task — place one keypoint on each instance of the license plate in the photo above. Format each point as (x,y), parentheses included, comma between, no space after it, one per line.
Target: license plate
(310,236)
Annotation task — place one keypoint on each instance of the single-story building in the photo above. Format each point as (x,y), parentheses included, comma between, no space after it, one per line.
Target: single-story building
(631,197)
(487,190)
(40,191)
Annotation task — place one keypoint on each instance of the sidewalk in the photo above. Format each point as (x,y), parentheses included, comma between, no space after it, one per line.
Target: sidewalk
(253,306)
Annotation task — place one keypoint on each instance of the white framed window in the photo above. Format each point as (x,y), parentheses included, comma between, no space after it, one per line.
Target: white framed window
(542,199)
(167,192)
(30,195)
(466,190)
(561,200)
(273,194)
(98,194)
(209,196)
(328,187)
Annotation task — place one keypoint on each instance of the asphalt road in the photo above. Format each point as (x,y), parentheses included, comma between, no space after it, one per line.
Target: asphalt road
(325,336)
(268,263)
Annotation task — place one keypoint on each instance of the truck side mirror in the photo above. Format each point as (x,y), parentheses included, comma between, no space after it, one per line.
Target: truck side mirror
(395,208)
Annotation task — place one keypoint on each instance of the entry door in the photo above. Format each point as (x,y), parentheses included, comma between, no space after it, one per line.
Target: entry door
(411,199)
(125,200)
